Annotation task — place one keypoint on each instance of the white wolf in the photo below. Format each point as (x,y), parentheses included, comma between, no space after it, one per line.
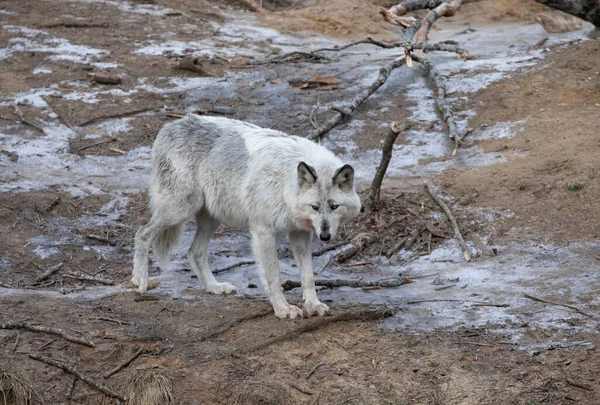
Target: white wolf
(220,170)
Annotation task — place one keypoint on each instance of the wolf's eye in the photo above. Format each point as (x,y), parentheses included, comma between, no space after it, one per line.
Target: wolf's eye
(334,207)
(315,207)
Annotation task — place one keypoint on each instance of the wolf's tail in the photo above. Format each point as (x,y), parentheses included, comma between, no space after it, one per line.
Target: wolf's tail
(165,243)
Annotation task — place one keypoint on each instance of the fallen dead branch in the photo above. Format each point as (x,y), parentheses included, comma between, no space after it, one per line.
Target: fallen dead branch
(113,116)
(103,78)
(85,277)
(50,206)
(102,239)
(346,110)
(490,304)
(72,370)
(74,24)
(219,331)
(4,285)
(303,390)
(447,113)
(46,329)
(373,313)
(434,300)
(389,283)
(359,242)
(579,384)
(91,145)
(233,266)
(401,242)
(49,272)
(17,111)
(329,248)
(444,9)
(126,362)
(452,220)
(560,304)
(386,156)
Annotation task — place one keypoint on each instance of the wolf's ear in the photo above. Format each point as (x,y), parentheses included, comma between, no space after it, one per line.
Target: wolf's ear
(306,175)
(344,177)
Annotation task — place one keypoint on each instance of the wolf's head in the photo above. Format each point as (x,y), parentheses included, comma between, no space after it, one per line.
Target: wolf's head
(326,199)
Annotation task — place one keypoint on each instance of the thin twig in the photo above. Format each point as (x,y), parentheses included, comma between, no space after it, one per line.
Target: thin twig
(357,314)
(312,371)
(579,384)
(421,301)
(50,206)
(233,266)
(102,239)
(17,111)
(386,156)
(120,322)
(125,363)
(46,329)
(97,143)
(452,220)
(113,116)
(300,388)
(233,323)
(557,303)
(49,272)
(329,248)
(72,370)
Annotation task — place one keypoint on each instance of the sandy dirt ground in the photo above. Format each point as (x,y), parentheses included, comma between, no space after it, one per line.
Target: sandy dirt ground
(524,188)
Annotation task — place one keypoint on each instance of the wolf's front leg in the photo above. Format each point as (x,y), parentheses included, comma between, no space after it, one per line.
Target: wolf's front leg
(264,245)
(301,246)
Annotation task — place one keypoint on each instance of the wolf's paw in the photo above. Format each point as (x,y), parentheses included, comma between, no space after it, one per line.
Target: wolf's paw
(315,307)
(221,288)
(135,281)
(288,311)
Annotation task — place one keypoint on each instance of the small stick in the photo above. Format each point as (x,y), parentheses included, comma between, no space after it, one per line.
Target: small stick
(358,314)
(50,206)
(233,266)
(70,393)
(120,322)
(386,156)
(396,247)
(105,79)
(420,301)
(16,341)
(231,324)
(72,370)
(117,150)
(452,220)
(312,371)
(356,264)
(490,304)
(24,120)
(91,145)
(125,363)
(102,239)
(301,389)
(46,329)
(545,301)
(330,248)
(445,287)
(112,116)
(49,272)
(388,283)
(84,277)
(579,384)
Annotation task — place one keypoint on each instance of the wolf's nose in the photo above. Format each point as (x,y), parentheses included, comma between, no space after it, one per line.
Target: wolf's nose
(325,236)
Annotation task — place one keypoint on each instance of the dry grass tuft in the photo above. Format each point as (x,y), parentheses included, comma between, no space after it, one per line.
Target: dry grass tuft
(150,387)
(15,386)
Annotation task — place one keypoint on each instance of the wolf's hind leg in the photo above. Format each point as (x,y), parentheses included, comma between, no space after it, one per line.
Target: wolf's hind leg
(198,255)
(265,249)
(301,247)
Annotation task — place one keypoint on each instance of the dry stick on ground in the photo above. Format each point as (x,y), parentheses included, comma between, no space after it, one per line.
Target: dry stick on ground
(445,9)
(17,111)
(46,329)
(125,363)
(102,239)
(386,156)
(4,285)
(49,207)
(396,247)
(91,145)
(233,323)
(104,78)
(85,277)
(388,283)
(113,116)
(447,113)
(557,303)
(358,243)
(49,272)
(452,220)
(72,370)
(357,314)
(329,248)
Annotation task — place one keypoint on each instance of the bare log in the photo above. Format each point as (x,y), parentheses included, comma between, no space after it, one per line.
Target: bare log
(104,78)
(46,329)
(588,10)
(369,313)
(386,156)
(389,283)
(447,113)
(452,220)
(49,272)
(72,370)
